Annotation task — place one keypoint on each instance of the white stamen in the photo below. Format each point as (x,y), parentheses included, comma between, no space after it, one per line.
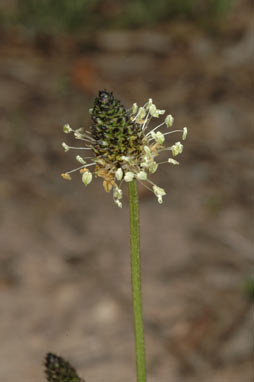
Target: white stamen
(141,113)
(149,133)
(185,131)
(145,124)
(142,175)
(153,167)
(79,148)
(65,146)
(118,203)
(134,108)
(173,161)
(67,129)
(117,194)
(173,131)
(129,176)
(169,120)
(79,168)
(80,159)
(119,174)
(177,148)
(159,192)
(152,110)
(158,137)
(87,178)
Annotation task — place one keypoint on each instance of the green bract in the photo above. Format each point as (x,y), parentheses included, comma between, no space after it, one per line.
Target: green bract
(114,132)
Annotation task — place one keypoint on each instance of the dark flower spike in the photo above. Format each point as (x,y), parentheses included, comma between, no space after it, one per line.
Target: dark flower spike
(59,370)
(122,146)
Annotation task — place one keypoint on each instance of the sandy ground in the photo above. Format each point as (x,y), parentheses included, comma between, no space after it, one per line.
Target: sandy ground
(64,260)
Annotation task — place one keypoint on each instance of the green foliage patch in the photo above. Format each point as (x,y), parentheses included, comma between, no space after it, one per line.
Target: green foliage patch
(55,16)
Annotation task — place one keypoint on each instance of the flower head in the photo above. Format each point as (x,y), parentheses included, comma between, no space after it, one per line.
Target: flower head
(121,146)
(59,370)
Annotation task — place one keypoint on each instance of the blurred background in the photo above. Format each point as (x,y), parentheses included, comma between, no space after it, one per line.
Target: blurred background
(64,260)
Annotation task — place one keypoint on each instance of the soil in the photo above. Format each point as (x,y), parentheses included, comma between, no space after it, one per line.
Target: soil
(64,260)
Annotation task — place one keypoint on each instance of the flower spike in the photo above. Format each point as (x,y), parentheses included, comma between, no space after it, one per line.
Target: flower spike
(122,146)
(59,370)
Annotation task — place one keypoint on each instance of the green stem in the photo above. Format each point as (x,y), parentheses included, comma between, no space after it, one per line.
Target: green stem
(136,282)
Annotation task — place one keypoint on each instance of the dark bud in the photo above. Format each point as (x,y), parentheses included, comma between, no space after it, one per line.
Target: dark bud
(105,97)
